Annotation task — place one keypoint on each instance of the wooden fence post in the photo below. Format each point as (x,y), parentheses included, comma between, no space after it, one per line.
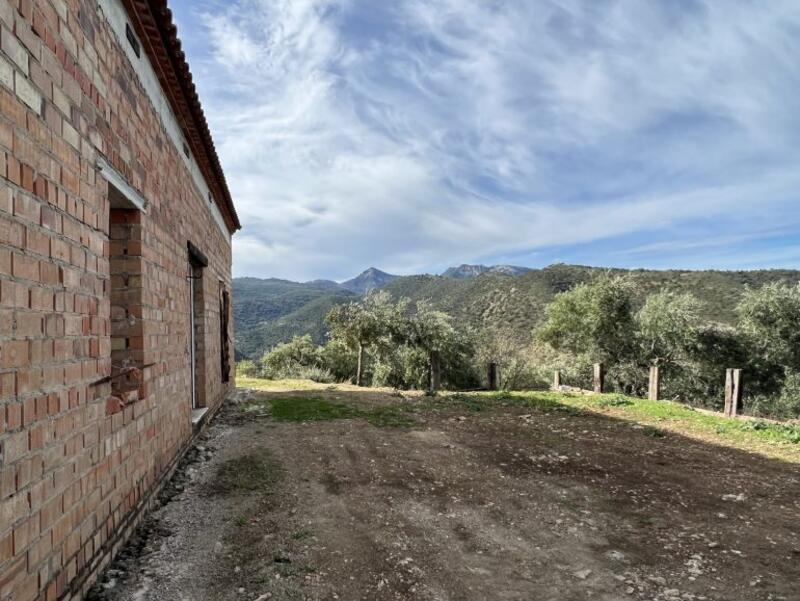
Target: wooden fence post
(599,378)
(494,379)
(654,383)
(557,380)
(733,392)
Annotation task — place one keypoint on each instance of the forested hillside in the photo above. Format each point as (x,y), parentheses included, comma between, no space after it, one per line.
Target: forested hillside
(268,312)
(517,303)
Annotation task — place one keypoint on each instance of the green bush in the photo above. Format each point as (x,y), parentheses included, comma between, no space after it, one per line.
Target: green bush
(287,357)
(340,360)
(248,369)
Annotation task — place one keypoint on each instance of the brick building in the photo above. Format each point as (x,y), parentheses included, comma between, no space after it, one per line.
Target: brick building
(115,269)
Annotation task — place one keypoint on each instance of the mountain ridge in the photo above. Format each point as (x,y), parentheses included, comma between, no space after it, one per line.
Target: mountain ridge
(466,271)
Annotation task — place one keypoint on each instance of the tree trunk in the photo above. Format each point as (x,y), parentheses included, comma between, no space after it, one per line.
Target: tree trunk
(436,373)
(494,379)
(360,369)
(599,378)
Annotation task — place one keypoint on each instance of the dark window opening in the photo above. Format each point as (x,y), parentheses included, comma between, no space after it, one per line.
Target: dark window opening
(137,49)
(224,313)
(197,264)
(127,311)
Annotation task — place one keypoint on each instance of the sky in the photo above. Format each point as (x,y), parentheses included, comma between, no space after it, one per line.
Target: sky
(414,135)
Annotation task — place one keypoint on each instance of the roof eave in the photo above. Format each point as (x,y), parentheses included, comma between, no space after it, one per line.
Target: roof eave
(153,23)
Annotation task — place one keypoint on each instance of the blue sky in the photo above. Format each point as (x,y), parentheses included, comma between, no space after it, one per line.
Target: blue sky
(417,134)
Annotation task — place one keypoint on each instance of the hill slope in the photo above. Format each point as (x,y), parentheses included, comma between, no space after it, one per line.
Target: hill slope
(514,304)
(268,312)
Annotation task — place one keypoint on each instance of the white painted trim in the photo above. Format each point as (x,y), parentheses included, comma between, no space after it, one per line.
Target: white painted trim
(115,178)
(116,15)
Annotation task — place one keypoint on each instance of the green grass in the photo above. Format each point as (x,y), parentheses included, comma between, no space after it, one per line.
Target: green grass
(275,385)
(678,415)
(311,409)
(254,473)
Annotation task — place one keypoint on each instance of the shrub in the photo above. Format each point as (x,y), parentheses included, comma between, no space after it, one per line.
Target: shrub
(339,359)
(785,405)
(300,352)
(248,369)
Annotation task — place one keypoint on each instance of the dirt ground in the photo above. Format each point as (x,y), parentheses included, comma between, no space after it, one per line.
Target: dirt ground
(501,504)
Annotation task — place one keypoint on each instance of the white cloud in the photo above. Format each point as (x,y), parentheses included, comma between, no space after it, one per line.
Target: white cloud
(420,133)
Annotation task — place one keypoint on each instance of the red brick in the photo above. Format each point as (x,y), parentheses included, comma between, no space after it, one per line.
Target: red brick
(15,447)
(14,415)
(28,412)
(51,219)
(13,353)
(5,261)
(27,208)
(51,512)
(13,170)
(49,273)
(27,178)
(6,322)
(36,441)
(29,325)
(59,249)
(41,299)
(6,547)
(24,267)
(37,242)
(29,380)
(24,534)
(6,136)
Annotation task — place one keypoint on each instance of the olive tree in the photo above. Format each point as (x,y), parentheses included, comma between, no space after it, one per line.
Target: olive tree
(667,325)
(595,319)
(770,317)
(362,324)
(432,332)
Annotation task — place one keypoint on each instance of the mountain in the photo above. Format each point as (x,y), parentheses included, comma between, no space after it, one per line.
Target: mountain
(369,280)
(268,312)
(465,272)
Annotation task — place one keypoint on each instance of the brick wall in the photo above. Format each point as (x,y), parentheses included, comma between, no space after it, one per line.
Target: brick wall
(80,451)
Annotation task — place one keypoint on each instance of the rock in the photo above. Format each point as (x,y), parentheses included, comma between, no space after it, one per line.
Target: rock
(582,575)
(740,498)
